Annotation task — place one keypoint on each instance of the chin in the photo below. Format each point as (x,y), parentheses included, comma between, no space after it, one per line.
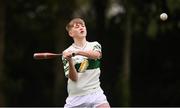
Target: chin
(83,35)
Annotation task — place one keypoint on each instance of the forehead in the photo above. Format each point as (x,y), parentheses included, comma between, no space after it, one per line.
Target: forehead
(76,21)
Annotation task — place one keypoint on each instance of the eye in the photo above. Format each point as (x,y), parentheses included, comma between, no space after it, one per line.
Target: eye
(76,26)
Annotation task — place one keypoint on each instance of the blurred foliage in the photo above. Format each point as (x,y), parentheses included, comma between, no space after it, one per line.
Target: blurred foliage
(39,25)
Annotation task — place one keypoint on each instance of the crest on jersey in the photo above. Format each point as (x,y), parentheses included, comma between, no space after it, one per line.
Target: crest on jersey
(83,65)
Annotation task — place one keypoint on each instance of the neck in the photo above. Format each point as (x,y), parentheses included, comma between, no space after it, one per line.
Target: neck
(80,42)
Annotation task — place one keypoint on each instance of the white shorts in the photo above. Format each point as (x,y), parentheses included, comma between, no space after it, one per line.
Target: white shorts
(86,101)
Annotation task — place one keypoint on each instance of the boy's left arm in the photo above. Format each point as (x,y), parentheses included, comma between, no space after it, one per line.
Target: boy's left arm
(90,54)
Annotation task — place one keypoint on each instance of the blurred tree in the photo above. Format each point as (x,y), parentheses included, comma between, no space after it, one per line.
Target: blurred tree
(120,31)
(126,66)
(28,26)
(2,35)
(63,11)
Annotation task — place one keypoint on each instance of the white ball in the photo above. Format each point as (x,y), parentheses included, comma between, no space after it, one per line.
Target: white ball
(163,16)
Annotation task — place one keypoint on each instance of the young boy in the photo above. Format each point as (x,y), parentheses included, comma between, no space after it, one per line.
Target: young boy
(81,63)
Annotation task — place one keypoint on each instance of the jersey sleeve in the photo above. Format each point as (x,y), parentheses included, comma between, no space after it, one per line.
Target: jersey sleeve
(65,66)
(97,47)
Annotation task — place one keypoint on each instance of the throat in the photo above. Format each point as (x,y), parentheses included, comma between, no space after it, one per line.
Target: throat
(80,45)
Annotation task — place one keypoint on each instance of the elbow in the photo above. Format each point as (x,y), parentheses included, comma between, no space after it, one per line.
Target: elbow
(74,78)
(95,55)
(98,56)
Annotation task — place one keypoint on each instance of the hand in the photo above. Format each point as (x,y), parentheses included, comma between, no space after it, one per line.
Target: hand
(68,54)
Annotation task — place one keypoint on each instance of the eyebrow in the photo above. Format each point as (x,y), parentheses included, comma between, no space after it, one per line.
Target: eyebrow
(78,22)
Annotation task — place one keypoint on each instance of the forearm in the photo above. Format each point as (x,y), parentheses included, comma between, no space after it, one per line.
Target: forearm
(73,75)
(90,54)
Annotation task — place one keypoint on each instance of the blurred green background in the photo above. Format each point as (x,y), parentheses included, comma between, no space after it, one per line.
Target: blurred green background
(140,64)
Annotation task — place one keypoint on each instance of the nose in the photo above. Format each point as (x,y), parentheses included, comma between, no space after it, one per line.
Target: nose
(81,28)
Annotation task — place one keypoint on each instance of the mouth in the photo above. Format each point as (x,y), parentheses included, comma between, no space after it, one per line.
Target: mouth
(82,31)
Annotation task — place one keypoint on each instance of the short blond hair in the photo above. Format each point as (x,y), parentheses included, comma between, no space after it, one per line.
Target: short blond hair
(73,21)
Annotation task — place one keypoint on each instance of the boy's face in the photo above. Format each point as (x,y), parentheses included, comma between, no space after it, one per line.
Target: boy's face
(78,30)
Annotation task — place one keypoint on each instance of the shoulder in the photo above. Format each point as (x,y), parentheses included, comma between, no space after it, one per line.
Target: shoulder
(94,43)
(95,46)
(68,49)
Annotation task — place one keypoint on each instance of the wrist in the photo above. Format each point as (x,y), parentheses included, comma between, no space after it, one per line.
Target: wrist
(70,60)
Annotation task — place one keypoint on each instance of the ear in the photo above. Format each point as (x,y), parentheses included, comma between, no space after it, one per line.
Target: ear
(70,33)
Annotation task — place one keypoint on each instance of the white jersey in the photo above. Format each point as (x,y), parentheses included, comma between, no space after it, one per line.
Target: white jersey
(88,71)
